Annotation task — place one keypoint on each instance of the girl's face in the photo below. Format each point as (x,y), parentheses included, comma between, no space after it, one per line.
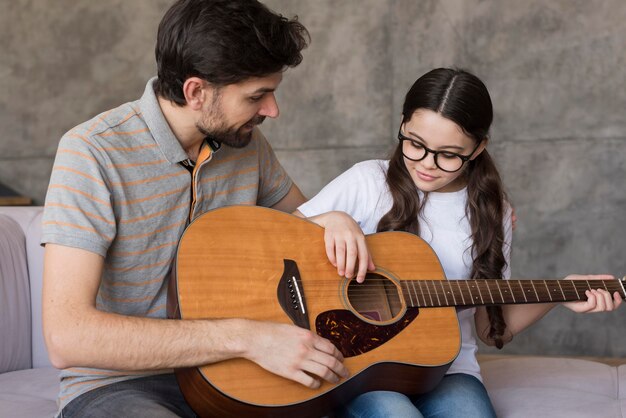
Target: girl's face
(431,130)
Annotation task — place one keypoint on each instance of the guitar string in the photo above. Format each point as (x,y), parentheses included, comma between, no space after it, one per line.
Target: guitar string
(358,293)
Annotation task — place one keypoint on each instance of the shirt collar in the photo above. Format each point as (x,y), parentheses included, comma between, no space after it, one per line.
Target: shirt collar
(159,128)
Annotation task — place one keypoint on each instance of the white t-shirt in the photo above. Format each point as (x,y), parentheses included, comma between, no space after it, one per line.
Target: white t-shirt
(362,192)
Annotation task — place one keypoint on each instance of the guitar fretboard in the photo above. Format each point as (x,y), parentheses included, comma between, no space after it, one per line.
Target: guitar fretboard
(435,293)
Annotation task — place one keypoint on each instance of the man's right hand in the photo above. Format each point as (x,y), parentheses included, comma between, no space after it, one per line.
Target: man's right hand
(295,353)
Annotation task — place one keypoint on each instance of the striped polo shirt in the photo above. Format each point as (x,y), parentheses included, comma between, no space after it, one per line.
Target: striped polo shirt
(118,189)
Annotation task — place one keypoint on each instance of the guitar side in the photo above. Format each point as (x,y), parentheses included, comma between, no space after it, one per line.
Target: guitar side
(230,263)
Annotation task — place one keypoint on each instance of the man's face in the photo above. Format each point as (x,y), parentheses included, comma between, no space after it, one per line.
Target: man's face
(237,108)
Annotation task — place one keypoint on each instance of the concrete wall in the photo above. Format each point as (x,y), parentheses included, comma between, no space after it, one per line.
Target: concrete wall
(556,71)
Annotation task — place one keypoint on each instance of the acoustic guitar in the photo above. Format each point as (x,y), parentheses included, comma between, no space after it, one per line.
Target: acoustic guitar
(398,330)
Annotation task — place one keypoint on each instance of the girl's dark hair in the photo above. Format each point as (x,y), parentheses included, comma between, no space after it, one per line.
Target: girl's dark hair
(462,98)
(223,42)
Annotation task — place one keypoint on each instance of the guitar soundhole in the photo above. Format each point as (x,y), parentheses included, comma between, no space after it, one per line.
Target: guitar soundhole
(376,299)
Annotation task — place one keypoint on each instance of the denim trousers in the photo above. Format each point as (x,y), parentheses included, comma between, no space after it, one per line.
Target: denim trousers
(145,397)
(457,395)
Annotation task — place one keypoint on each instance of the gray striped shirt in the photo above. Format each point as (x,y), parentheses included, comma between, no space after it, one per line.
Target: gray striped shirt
(118,189)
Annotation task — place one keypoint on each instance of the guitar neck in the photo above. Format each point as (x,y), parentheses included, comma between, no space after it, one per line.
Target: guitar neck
(439,293)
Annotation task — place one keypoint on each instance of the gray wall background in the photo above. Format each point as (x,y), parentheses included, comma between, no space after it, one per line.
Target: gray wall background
(556,71)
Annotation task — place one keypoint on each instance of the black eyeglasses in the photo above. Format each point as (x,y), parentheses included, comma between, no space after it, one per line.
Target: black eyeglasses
(444,160)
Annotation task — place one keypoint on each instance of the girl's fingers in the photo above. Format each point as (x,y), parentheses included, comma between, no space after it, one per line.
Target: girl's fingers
(340,252)
(329,243)
(364,261)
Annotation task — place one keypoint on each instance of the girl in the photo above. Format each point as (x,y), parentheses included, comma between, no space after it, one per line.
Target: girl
(442,185)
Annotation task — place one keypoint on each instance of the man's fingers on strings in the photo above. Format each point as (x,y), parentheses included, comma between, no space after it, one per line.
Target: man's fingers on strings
(325,346)
(328,356)
(307,379)
(320,370)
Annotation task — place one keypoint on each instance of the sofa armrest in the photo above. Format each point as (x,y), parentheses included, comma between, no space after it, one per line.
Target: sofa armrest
(15,304)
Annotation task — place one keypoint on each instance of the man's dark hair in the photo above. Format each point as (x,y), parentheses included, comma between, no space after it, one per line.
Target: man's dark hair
(223,42)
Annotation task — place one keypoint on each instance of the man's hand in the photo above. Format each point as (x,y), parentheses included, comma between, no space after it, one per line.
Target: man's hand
(598,300)
(295,353)
(345,244)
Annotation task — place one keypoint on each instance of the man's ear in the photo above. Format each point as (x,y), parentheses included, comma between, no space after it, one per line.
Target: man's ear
(196,92)
(481,148)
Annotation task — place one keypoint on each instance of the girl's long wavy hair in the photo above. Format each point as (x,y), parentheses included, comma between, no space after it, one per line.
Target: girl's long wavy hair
(462,98)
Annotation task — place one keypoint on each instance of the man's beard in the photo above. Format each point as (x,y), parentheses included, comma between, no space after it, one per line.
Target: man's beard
(228,135)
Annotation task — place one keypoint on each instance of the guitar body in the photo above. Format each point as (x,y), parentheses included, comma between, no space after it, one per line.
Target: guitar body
(239,262)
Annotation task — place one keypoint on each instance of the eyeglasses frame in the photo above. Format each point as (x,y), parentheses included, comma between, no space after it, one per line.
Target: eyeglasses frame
(464,158)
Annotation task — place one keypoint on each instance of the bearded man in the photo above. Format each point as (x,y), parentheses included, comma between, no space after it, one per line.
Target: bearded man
(124,186)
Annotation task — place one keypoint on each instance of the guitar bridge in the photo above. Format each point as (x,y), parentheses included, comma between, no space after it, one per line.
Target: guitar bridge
(291,295)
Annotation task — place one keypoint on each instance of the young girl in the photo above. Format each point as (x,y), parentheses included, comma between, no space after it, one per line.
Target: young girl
(442,185)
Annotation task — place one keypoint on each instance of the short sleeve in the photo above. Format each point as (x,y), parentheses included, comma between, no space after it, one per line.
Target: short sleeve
(356,191)
(274,182)
(78,209)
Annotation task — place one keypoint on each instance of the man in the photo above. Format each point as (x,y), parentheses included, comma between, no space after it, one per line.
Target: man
(125,185)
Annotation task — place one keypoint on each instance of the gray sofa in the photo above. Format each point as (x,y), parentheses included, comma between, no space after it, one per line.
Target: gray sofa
(518,386)
(28,382)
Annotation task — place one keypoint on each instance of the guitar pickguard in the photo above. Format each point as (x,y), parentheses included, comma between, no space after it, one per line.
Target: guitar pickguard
(353,336)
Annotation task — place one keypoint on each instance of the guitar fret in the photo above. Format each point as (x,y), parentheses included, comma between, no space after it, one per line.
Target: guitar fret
(417,293)
(469,290)
(444,292)
(576,290)
(480,293)
(582,286)
(568,290)
(409,292)
(561,287)
(436,293)
(553,289)
(548,289)
(535,289)
(522,289)
(420,292)
(430,296)
(511,290)
(419,284)
(530,289)
(622,286)
(452,292)
(500,291)
(460,291)
(489,290)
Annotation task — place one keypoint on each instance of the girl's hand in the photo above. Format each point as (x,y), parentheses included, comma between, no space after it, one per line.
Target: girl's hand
(598,300)
(345,244)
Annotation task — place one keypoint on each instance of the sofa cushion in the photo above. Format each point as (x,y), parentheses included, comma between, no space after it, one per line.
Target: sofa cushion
(29,393)
(29,219)
(15,314)
(554,387)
